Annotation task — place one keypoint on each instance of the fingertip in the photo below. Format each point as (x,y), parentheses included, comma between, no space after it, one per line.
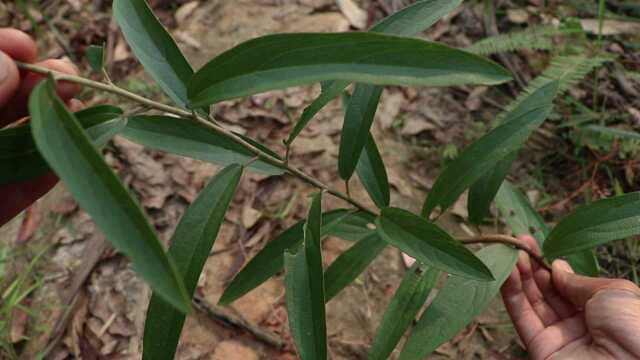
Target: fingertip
(563,266)
(75,105)
(531,242)
(9,79)
(18,45)
(66,90)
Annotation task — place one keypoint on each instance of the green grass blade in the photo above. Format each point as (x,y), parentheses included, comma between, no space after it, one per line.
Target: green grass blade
(68,150)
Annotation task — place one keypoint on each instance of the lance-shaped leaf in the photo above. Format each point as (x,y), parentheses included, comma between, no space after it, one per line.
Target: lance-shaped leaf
(481,193)
(403,309)
(20,159)
(522,219)
(190,247)
(595,224)
(269,261)
(350,264)
(329,92)
(305,290)
(518,213)
(358,118)
(373,174)
(481,156)
(457,303)
(415,18)
(188,138)
(154,47)
(429,244)
(283,60)
(409,21)
(353,227)
(68,150)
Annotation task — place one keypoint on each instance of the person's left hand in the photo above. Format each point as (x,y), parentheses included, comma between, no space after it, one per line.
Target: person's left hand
(15,88)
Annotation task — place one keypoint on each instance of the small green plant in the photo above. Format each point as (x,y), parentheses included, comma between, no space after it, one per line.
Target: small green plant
(69,144)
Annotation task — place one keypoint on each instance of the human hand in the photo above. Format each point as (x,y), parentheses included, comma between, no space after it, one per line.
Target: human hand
(15,87)
(561,315)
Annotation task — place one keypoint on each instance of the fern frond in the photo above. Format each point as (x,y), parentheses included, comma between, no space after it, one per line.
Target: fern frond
(568,70)
(532,38)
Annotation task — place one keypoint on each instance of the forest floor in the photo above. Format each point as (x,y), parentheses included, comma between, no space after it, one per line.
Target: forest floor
(88,303)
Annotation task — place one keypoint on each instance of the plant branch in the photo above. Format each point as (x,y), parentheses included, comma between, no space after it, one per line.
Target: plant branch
(509,241)
(210,125)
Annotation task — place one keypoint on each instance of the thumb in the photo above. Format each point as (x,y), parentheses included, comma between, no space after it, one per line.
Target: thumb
(9,79)
(579,289)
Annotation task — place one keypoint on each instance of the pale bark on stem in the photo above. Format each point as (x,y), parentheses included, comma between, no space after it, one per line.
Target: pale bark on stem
(259,154)
(189,115)
(508,241)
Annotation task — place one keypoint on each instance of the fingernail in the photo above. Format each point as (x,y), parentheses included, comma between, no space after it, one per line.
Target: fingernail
(4,67)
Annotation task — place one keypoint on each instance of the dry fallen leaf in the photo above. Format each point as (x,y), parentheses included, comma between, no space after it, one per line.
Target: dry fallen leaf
(610,27)
(356,16)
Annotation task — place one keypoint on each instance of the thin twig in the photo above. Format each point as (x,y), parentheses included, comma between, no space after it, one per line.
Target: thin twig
(225,317)
(509,241)
(211,126)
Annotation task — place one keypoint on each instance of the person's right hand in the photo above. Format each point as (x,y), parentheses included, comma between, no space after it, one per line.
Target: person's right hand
(561,315)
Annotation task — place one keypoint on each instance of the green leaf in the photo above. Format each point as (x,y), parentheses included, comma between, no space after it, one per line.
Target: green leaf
(481,156)
(97,114)
(355,226)
(415,18)
(269,261)
(585,263)
(21,161)
(429,244)
(457,303)
(518,213)
(68,150)
(190,247)
(350,264)
(408,21)
(403,309)
(95,57)
(188,138)
(373,174)
(595,224)
(284,60)
(329,92)
(522,219)
(358,118)
(154,47)
(305,290)
(483,191)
